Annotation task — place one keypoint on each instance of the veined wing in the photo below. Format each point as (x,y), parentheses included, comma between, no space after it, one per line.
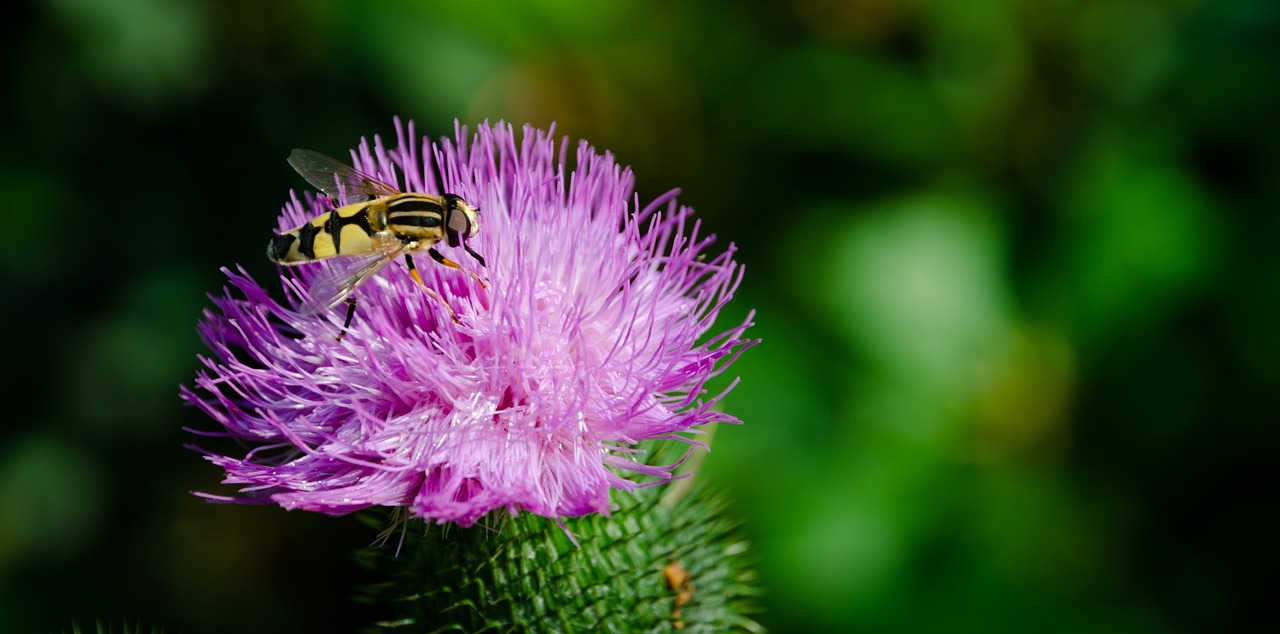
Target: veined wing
(337,179)
(336,283)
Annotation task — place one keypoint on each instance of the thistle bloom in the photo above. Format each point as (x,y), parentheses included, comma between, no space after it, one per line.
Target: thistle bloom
(588,336)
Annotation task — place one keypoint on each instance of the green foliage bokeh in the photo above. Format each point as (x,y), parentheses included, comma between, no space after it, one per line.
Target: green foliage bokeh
(1014,264)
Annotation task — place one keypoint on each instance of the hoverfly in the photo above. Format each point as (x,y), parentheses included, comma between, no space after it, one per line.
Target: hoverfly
(387,224)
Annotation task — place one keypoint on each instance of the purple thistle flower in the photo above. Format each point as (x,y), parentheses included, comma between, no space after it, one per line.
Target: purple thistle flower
(589,338)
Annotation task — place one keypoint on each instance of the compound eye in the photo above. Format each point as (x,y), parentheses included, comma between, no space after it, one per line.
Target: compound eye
(459,222)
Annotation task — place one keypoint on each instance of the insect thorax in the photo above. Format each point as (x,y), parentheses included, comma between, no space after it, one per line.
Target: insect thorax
(416,217)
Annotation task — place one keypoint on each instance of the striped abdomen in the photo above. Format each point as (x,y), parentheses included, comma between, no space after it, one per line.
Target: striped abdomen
(362,229)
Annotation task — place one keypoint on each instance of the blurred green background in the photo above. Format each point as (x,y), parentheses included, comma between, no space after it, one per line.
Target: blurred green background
(1015,264)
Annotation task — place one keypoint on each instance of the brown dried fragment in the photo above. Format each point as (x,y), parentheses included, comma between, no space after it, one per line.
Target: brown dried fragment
(678,580)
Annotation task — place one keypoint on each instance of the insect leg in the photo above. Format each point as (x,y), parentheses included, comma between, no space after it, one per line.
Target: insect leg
(479,258)
(351,312)
(435,255)
(413,270)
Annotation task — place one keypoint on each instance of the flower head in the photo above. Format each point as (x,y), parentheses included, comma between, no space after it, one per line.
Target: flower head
(588,335)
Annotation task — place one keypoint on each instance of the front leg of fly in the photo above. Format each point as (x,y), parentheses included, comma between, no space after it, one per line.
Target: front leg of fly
(479,258)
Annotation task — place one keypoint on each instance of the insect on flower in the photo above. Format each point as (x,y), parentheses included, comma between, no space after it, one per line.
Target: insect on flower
(386,224)
(597,331)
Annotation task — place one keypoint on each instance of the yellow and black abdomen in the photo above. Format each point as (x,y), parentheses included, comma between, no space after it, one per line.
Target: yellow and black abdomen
(347,230)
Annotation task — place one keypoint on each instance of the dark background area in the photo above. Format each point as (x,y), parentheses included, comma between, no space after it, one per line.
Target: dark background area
(1014,263)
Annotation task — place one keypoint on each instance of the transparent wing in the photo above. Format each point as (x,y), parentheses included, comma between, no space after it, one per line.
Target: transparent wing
(336,283)
(337,179)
